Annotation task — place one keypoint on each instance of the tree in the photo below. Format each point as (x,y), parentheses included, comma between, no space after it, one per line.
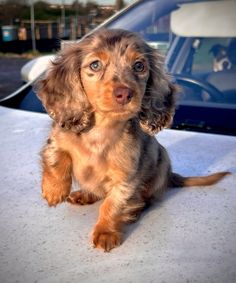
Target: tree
(12,10)
(19,2)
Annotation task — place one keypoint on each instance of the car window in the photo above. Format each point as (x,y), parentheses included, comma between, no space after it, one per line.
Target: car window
(158,34)
(153,25)
(211,55)
(211,62)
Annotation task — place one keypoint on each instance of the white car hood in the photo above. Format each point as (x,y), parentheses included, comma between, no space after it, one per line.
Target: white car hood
(188,237)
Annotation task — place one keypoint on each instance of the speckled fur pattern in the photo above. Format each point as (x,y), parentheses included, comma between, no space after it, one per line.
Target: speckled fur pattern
(106,146)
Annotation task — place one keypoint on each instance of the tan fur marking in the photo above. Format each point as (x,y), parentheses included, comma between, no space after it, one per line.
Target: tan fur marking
(56,182)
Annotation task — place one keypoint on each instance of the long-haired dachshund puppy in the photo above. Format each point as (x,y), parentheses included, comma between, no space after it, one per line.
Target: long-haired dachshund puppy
(108,95)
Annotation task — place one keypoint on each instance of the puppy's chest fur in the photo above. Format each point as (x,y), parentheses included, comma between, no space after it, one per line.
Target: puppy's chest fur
(99,157)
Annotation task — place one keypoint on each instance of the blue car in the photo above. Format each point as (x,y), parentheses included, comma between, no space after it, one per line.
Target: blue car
(198,39)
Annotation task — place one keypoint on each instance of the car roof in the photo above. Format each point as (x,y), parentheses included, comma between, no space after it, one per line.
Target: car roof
(189,236)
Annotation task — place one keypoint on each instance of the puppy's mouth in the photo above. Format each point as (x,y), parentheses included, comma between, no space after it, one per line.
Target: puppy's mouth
(121,112)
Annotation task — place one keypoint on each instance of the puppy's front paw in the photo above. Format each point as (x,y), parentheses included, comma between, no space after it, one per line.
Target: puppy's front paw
(54,196)
(104,239)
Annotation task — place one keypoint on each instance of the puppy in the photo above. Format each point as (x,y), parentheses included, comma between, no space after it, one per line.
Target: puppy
(221,61)
(108,95)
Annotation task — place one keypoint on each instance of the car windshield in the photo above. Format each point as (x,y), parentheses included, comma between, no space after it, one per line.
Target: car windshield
(153,24)
(204,53)
(212,63)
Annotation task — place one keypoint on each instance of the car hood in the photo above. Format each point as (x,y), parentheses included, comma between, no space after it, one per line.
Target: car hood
(190,230)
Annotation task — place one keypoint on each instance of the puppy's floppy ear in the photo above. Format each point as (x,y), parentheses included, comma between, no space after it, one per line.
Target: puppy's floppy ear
(158,103)
(61,91)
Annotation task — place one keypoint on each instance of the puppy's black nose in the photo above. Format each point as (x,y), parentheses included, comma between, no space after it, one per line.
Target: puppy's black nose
(123,95)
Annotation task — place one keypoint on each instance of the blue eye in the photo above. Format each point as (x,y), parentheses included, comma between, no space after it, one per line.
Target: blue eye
(96,65)
(138,67)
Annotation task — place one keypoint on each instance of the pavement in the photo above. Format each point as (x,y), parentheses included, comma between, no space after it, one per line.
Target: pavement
(187,237)
(10,78)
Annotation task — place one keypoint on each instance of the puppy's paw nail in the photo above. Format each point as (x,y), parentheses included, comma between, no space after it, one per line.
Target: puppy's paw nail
(106,240)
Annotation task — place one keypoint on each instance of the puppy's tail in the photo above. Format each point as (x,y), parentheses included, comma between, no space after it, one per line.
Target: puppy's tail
(178,181)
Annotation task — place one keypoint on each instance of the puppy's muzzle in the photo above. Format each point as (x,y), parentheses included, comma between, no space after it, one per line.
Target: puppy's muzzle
(123,95)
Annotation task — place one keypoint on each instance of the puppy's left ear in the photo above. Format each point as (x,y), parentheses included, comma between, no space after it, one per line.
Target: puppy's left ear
(158,103)
(61,91)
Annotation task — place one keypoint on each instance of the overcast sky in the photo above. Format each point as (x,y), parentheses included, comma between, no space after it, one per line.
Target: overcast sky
(103,2)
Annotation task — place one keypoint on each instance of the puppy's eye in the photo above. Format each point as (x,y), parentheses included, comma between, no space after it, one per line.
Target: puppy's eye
(138,67)
(96,65)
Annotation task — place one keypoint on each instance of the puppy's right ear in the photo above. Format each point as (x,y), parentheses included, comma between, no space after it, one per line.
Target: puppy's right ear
(61,92)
